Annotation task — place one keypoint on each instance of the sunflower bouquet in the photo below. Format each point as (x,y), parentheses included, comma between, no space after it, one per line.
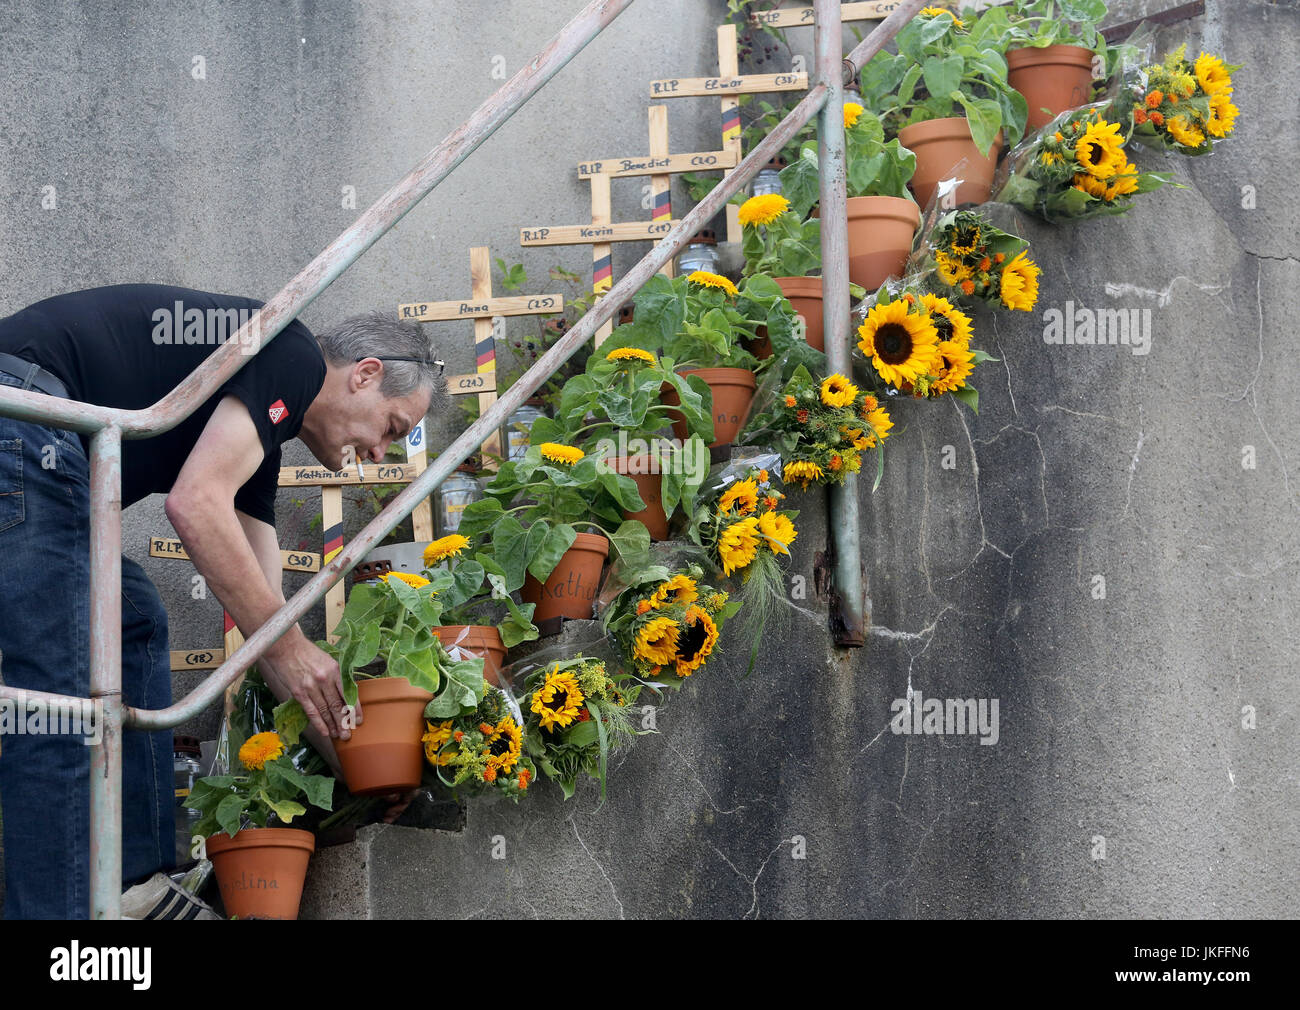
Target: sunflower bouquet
(666,622)
(480,749)
(973,258)
(1077,167)
(920,344)
(576,716)
(822,429)
(1179,105)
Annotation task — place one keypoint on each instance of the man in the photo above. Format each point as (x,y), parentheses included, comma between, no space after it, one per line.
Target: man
(347,395)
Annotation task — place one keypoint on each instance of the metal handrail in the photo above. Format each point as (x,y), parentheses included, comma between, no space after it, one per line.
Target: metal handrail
(108,426)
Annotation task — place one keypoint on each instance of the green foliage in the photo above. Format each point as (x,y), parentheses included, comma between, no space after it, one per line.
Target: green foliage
(786,247)
(875,168)
(1037,24)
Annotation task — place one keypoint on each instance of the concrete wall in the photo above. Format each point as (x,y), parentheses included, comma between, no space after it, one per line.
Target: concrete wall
(1120,718)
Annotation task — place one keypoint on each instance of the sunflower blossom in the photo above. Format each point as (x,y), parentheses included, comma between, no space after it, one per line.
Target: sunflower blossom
(742,495)
(837,391)
(561,453)
(803,472)
(1020,283)
(259,749)
(630,354)
(680,589)
(699,636)
(414,581)
(449,546)
(557,700)
(901,344)
(778,530)
(737,544)
(657,642)
(759,211)
(435,736)
(708,280)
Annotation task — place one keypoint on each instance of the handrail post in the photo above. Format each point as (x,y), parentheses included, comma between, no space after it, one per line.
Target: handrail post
(848,600)
(106,672)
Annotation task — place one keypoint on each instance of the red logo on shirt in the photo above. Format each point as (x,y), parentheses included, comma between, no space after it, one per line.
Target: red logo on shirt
(278,412)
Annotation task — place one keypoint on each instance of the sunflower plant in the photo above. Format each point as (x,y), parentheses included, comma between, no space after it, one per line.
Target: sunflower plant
(776,241)
(942,70)
(479,749)
(1179,105)
(576,716)
(1036,24)
(534,506)
(666,622)
(461,587)
(973,258)
(385,631)
(1077,167)
(874,166)
(271,790)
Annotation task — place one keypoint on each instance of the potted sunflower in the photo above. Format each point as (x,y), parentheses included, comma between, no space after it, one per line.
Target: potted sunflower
(945,95)
(260,866)
(777,242)
(528,523)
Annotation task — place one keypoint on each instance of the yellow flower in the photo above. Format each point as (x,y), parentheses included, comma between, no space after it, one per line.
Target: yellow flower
(934,12)
(699,636)
(956,362)
(758,211)
(1213,75)
(504,745)
(1124,183)
(1020,283)
(837,391)
(950,322)
(852,110)
(880,422)
(433,739)
(803,471)
(414,581)
(899,343)
(445,547)
(657,642)
(1100,151)
(716,602)
(1222,114)
(742,495)
(259,749)
(561,453)
(951,269)
(558,699)
(1050,158)
(737,544)
(630,354)
(1182,130)
(1087,184)
(965,239)
(778,530)
(680,589)
(708,280)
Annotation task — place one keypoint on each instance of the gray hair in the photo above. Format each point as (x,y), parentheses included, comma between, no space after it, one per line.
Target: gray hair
(379,335)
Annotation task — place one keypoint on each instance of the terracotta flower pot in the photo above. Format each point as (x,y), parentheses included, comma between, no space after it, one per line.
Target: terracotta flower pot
(571,588)
(476,641)
(940,145)
(650,487)
(384,754)
(805,294)
(880,238)
(733,392)
(1055,78)
(260,871)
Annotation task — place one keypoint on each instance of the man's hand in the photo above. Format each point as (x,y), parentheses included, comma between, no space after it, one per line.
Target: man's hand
(312,676)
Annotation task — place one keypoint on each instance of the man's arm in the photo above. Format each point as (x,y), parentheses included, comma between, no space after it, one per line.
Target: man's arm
(266,548)
(201,507)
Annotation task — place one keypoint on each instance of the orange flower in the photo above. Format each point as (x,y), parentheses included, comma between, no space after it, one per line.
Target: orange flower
(486,728)
(869,404)
(968,286)
(490,773)
(770,503)
(836,461)
(459,735)
(789,401)
(1173,99)
(763,476)
(1154,99)
(524,778)
(643,607)
(1157,118)
(1058,138)
(985,263)
(999,257)
(584,715)
(802,416)
(1139,116)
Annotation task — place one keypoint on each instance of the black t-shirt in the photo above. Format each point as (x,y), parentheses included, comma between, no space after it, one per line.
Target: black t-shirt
(130,344)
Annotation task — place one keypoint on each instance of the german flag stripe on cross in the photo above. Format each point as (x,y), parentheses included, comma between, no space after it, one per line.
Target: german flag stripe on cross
(730,124)
(663,208)
(602,276)
(485,354)
(333,541)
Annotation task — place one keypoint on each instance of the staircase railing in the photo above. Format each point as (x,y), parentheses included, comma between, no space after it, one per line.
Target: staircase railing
(107,426)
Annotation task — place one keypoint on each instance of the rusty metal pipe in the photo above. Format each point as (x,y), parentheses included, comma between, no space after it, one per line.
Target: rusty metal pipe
(401,506)
(285,306)
(106,672)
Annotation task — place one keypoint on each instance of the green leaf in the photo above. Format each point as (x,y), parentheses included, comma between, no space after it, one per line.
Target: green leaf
(230,812)
(970,396)
(942,73)
(285,810)
(291,720)
(631,543)
(984,116)
(557,541)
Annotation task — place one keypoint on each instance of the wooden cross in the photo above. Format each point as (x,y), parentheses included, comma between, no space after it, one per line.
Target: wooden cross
(794,17)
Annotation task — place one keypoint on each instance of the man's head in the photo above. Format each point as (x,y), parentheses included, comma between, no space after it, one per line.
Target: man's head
(382,378)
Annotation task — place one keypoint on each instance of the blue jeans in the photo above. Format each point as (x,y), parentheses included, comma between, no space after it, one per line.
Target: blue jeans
(45,646)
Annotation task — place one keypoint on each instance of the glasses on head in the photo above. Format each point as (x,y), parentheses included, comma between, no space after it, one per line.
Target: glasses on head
(420,361)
